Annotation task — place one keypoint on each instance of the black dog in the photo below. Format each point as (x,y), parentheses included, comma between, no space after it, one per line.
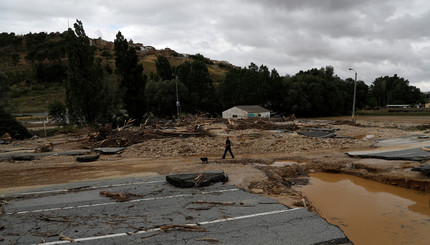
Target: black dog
(204,159)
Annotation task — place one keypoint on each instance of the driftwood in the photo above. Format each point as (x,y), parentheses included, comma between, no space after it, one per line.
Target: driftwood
(128,135)
(193,228)
(125,197)
(210,240)
(66,238)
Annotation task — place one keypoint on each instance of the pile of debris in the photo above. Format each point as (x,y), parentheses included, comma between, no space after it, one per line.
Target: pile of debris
(260,123)
(130,135)
(346,122)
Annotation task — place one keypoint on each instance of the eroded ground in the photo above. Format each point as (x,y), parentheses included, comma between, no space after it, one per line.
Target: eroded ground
(270,157)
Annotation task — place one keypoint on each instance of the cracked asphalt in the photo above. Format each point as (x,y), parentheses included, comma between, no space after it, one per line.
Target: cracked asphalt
(156,213)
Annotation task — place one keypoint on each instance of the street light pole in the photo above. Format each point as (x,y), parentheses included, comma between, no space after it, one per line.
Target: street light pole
(355,91)
(177,98)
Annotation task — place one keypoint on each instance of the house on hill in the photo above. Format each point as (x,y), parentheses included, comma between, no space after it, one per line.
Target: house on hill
(246,111)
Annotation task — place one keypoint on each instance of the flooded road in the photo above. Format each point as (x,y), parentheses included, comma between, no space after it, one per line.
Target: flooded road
(370,212)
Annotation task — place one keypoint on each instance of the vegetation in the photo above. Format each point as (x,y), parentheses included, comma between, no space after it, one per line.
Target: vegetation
(58,111)
(4,88)
(130,78)
(86,94)
(394,91)
(40,71)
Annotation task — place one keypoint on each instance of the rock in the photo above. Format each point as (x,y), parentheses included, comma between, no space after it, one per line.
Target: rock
(45,148)
(257,191)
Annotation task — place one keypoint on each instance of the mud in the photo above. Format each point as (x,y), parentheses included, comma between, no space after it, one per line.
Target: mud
(256,149)
(370,212)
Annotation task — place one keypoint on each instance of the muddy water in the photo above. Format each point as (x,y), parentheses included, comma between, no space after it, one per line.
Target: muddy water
(370,212)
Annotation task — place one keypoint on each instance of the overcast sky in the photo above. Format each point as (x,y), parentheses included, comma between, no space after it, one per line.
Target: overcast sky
(375,37)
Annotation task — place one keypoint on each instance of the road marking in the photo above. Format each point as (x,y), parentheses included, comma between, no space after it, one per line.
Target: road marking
(113,203)
(84,239)
(88,188)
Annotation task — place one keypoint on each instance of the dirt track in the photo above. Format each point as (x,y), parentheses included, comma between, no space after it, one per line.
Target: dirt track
(252,169)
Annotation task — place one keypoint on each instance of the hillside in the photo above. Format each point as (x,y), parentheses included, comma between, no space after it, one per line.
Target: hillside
(36,66)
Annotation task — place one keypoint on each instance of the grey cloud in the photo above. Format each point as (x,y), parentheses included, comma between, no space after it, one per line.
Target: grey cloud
(376,37)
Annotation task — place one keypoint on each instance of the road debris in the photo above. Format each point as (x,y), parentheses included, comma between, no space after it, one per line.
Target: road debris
(118,196)
(88,158)
(424,168)
(66,238)
(125,197)
(109,150)
(210,240)
(192,228)
(197,179)
(45,148)
(23,158)
(318,134)
(411,154)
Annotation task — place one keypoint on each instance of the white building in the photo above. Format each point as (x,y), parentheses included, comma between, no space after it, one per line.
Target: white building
(246,111)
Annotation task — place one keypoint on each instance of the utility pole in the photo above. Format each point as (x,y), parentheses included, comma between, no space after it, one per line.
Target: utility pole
(355,91)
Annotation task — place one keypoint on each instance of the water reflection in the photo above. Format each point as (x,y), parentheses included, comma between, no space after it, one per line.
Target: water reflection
(370,212)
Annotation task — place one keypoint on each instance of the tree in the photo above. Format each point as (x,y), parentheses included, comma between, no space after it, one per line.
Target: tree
(84,85)
(130,77)
(200,87)
(394,90)
(31,56)
(4,88)
(160,96)
(164,70)
(15,59)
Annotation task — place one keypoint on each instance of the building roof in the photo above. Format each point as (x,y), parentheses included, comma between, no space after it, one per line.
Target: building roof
(252,108)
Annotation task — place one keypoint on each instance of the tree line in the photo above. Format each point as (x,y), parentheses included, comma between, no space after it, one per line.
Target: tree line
(92,99)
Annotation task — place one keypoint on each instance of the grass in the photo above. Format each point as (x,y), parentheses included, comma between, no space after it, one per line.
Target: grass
(35,99)
(384,112)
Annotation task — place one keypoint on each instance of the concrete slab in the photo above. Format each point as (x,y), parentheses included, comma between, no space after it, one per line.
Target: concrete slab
(412,140)
(413,154)
(223,213)
(425,169)
(109,150)
(11,155)
(318,134)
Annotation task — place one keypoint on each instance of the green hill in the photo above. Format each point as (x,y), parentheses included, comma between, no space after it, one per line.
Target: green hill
(35,64)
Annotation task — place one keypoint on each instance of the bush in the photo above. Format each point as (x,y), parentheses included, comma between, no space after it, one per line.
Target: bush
(58,111)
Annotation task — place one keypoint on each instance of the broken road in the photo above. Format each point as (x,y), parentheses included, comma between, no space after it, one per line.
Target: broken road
(156,213)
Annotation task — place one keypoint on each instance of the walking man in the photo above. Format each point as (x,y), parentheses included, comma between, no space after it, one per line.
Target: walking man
(227,148)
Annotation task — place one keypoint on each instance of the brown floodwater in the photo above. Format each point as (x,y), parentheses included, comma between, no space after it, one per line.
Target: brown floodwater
(370,212)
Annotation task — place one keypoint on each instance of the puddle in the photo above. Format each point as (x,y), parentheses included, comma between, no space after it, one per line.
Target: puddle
(370,212)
